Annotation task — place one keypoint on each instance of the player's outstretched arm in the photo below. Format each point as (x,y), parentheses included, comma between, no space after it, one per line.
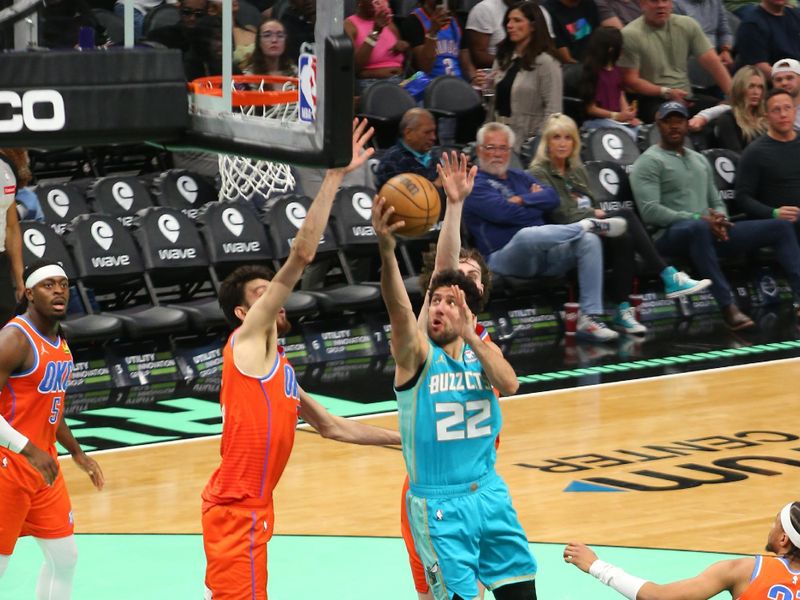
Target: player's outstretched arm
(14,348)
(457,180)
(343,430)
(408,342)
(499,371)
(84,461)
(726,575)
(261,317)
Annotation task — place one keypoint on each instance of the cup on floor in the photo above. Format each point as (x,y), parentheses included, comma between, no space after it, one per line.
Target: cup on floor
(571,317)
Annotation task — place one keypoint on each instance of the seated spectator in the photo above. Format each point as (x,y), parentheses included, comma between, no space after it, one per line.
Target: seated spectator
(379,51)
(528,80)
(438,46)
(244,35)
(412,152)
(768,180)
(505,215)
(576,19)
(486,29)
(601,85)
(299,19)
(270,56)
(557,163)
(767,34)
(178,36)
(655,53)
(618,13)
(204,56)
(713,19)
(736,128)
(674,191)
(785,76)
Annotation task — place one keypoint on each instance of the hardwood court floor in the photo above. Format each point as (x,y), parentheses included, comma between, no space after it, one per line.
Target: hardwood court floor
(737,428)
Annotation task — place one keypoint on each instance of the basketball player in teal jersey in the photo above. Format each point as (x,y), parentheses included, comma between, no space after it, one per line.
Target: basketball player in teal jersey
(464,526)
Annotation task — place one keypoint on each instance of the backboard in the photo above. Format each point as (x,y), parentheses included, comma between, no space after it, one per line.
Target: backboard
(314,126)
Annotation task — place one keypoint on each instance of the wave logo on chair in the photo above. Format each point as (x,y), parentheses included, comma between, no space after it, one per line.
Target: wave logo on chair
(613,145)
(169,227)
(123,194)
(296,213)
(609,180)
(362,204)
(233,221)
(35,242)
(187,187)
(725,168)
(59,202)
(103,234)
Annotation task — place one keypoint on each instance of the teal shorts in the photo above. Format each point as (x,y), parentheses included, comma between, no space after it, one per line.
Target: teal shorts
(467,534)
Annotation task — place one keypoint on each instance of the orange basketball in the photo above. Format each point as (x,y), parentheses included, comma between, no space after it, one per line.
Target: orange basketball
(415,201)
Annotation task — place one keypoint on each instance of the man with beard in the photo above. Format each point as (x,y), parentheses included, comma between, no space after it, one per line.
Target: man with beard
(751,578)
(261,400)
(463,524)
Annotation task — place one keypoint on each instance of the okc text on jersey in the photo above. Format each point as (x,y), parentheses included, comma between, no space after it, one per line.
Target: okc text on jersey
(56,376)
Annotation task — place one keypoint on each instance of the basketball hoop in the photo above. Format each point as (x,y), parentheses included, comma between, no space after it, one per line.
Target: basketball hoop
(254,97)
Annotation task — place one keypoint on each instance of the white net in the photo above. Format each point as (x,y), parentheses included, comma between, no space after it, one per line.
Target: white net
(245,178)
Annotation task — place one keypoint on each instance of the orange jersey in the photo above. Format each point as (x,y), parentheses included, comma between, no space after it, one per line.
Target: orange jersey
(772,579)
(32,401)
(259,418)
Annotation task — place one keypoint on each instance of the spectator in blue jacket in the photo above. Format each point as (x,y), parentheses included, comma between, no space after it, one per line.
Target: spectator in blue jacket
(505,216)
(412,152)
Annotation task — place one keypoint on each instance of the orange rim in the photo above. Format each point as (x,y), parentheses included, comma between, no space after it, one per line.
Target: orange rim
(212,86)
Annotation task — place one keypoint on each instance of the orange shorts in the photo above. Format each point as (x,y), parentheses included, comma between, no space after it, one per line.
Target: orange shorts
(417,570)
(28,508)
(235,540)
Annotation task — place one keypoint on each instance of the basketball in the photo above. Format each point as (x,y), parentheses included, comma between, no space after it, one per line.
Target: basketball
(415,201)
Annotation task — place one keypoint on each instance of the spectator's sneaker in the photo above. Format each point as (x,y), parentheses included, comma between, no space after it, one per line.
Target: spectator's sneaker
(611,227)
(625,320)
(677,283)
(594,331)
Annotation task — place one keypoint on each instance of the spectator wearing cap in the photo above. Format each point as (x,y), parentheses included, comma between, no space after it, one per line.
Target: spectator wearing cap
(674,191)
(179,35)
(412,152)
(769,32)
(785,76)
(655,53)
(767,179)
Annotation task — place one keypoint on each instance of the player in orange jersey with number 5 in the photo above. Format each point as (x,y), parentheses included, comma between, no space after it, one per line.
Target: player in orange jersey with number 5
(35,368)
(261,400)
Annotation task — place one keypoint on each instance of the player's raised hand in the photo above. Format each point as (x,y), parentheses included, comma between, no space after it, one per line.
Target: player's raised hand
(381,214)
(90,466)
(361,135)
(457,179)
(42,462)
(466,321)
(579,555)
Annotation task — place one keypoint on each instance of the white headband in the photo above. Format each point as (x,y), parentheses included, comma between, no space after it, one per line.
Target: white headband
(42,273)
(788,528)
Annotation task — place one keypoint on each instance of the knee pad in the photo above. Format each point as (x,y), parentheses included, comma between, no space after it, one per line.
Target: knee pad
(61,553)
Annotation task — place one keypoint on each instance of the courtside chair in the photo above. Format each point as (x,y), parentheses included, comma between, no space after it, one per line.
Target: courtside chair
(38,241)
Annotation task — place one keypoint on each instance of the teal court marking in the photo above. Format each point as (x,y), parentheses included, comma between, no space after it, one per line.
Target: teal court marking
(171,567)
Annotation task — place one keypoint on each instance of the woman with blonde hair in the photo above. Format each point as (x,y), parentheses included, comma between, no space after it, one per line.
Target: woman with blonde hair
(747,118)
(557,163)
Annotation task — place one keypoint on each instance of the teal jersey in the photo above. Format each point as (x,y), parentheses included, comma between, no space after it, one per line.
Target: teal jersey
(449,420)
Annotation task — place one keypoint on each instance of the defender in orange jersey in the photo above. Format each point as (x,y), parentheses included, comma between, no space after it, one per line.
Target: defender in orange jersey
(754,578)
(35,368)
(261,400)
